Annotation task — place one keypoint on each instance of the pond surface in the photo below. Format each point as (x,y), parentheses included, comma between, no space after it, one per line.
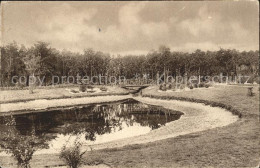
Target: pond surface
(91,124)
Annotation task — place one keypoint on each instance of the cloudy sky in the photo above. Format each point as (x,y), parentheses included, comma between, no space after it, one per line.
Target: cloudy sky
(133,27)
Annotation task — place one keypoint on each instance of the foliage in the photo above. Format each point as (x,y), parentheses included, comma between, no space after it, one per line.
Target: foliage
(182,86)
(163,87)
(47,61)
(82,87)
(103,88)
(72,155)
(250,91)
(21,147)
(90,87)
(201,84)
(169,86)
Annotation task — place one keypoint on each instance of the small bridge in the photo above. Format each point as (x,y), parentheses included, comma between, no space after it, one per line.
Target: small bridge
(134,88)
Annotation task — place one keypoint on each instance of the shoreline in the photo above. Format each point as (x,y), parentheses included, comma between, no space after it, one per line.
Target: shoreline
(197,117)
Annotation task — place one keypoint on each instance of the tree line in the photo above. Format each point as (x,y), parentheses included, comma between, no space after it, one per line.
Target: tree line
(43,60)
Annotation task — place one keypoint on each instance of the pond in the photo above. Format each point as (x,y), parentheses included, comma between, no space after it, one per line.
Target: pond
(91,124)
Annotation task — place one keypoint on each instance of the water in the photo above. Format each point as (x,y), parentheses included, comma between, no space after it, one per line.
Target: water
(92,124)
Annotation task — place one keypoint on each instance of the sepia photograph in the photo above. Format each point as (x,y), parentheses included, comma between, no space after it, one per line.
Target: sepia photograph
(140,84)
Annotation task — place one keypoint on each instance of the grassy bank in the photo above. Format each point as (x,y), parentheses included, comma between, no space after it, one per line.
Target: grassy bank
(11,96)
(233,98)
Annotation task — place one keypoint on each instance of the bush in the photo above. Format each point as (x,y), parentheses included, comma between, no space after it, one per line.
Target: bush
(191,87)
(169,86)
(103,88)
(162,87)
(72,156)
(207,85)
(82,88)
(250,91)
(21,147)
(20,86)
(182,86)
(74,91)
(90,87)
(201,84)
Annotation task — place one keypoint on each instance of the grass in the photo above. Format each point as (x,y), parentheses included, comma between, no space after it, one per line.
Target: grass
(11,96)
(235,145)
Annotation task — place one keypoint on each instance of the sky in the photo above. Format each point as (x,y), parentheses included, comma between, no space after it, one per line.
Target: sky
(133,27)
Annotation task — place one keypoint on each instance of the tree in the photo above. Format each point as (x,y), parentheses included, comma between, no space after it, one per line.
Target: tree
(32,63)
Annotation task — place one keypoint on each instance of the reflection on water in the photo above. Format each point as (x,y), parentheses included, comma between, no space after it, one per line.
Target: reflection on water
(94,123)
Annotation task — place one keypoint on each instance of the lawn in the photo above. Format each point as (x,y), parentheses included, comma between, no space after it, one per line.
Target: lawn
(8,96)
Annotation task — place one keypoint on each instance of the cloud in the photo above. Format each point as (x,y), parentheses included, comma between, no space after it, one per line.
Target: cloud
(125,27)
(204,23)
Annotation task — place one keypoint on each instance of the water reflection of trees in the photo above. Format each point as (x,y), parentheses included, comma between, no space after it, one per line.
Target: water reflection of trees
(95,119)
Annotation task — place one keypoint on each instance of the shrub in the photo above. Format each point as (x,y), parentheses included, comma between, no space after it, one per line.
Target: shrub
(82,88)
(201,84)
(21,147)
(191,87)
(74,91)
(182,86)
(90,87)
(162,87)
(103,88)
(250,91)
(178,86)
(173,86)
(169,86)
(207,85)
(20,86)
(72,156)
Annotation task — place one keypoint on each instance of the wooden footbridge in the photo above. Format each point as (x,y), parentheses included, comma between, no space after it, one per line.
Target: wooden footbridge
(135,88)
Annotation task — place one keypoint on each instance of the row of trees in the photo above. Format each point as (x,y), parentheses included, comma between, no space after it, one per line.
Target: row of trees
(43,60)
